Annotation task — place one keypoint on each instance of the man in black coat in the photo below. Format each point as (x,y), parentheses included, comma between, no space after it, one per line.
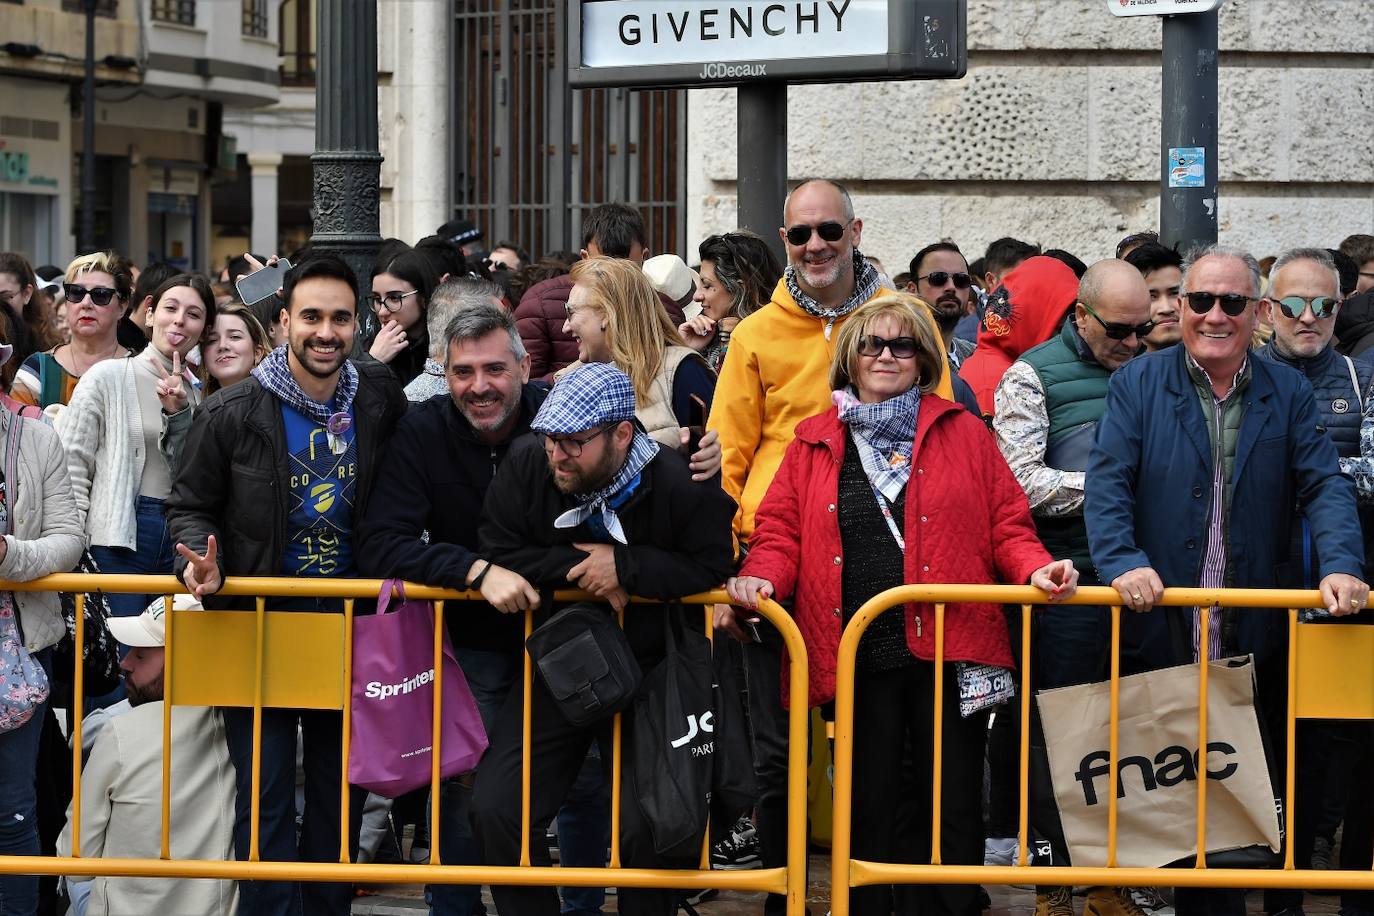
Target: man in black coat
(602,508)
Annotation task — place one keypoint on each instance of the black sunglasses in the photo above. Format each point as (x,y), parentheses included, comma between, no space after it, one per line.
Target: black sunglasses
(829,231)
(901,347)
(1294,306)
(1118,330)
(100,295)
(941,277)
(1231,303)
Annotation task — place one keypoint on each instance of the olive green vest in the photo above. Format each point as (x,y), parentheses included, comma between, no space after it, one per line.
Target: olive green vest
(1075,387)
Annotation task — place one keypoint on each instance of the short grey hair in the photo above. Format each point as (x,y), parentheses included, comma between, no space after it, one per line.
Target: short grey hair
(1222,251)
(479,320)
(1319,256)
(450,298)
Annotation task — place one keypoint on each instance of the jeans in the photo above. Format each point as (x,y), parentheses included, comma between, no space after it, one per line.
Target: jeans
(153,555)
(19,804)
(584,833)
(321,737)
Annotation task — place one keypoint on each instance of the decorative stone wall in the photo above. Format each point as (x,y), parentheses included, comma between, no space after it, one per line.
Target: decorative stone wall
(1053,136)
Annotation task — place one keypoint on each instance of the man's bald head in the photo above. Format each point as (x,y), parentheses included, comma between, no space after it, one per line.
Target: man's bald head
(1112,297)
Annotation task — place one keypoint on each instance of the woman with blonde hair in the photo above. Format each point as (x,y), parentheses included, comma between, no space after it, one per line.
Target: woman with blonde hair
(616,317)
(97,289)
(912,490)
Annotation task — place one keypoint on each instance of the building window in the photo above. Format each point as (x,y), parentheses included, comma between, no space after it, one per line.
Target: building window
(106,8)
(298,42)
(255,18)
(181,12)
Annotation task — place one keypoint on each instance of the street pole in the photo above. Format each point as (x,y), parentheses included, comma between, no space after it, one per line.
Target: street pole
(762,162)
(86,240)
(347,162)
(1188,138)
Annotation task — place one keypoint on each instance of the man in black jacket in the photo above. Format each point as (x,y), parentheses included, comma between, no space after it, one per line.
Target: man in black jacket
(602,508)
(275,473)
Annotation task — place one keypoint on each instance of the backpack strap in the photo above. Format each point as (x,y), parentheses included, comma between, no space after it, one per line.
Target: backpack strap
(1354,382)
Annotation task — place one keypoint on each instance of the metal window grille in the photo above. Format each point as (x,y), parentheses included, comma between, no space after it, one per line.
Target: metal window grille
(531,156)
(255,18)
(181,12)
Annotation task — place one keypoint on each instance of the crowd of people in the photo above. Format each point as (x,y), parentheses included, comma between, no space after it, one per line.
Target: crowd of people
(815,431)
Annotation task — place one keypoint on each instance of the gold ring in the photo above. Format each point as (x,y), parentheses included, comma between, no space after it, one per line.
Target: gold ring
(1354,602)
(1136,597)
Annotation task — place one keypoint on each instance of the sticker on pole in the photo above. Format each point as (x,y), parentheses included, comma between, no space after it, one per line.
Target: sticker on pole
(1160,7)
(1187,167)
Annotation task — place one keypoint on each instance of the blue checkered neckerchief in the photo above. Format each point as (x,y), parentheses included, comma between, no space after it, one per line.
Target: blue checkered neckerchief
(602,504)
(884,433)
(867,282)
(275,375)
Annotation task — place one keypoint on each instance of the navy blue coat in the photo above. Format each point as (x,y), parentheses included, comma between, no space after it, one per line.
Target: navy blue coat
(1149,483)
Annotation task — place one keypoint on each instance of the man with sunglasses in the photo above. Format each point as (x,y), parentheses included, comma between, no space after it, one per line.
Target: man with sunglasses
(1194,480)
(591,502)
(1048,406)
(774,376)
(940,276)
(1303,301)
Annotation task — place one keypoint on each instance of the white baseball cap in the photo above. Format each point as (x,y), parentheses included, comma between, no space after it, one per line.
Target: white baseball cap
(671,276)
(149,629)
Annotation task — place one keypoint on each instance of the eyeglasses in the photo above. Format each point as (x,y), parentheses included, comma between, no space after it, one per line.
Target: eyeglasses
(100,295)
(392,301)
(1118,330)
(829,231)
(572,446)
(1294,306)
(901,347)
(1231,303)
(941,277)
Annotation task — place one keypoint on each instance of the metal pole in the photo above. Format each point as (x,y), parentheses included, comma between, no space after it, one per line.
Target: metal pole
(1187,200)
(347,162)
(762,168)
(87,227)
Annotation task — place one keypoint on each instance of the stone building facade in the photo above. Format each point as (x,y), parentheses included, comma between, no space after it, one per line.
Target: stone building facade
(1054,134)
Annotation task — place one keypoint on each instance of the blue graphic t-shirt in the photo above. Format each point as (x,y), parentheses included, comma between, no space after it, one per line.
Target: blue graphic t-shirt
(319,522)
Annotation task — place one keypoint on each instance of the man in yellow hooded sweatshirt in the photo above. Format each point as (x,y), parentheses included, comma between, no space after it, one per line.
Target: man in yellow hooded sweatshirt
(775,375)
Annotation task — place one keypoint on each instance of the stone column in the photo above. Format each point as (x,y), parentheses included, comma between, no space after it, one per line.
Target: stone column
(347,163)
(263,238)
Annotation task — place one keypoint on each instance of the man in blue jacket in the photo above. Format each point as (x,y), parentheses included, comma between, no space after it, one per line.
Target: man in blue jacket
(1200,461)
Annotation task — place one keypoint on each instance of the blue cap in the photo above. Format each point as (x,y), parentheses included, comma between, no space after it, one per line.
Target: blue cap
(589,396)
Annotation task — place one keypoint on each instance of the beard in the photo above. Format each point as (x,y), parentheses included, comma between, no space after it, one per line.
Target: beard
(304,359)
(579,482)
(139,694)
(508,409)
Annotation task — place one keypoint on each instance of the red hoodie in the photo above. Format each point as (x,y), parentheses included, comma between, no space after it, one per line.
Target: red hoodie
(1026,310)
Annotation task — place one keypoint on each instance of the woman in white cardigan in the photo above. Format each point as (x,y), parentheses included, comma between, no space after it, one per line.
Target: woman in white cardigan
(118,428)
(40,534)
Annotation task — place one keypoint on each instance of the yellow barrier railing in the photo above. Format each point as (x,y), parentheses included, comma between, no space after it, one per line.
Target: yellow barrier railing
(1328,677)
(267,659)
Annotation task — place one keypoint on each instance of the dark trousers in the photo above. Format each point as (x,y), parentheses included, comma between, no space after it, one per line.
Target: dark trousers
(768,731)
(321,735)
(557,755)
(889,708)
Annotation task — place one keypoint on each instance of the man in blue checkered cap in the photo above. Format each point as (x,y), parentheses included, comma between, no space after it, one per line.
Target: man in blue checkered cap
(591,503)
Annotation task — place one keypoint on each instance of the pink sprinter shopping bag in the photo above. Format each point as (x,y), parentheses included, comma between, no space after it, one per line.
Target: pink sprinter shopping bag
(393,700)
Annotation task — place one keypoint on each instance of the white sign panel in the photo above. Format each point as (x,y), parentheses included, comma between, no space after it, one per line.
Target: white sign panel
(1160,7)
(637,33)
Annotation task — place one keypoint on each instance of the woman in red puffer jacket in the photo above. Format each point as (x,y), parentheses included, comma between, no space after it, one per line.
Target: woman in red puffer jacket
(895,485)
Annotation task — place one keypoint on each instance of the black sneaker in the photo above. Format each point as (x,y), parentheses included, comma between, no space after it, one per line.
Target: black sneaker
(740,848)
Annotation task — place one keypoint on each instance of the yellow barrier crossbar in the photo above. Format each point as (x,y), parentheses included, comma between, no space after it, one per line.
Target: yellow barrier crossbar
(1328,677)
(266,659)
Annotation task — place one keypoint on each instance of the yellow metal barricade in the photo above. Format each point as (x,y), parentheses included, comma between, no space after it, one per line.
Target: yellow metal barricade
(1329,676)
(264,659)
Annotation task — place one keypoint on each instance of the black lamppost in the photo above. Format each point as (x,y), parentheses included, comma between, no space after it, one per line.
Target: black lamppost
(347,162)
(86,236)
